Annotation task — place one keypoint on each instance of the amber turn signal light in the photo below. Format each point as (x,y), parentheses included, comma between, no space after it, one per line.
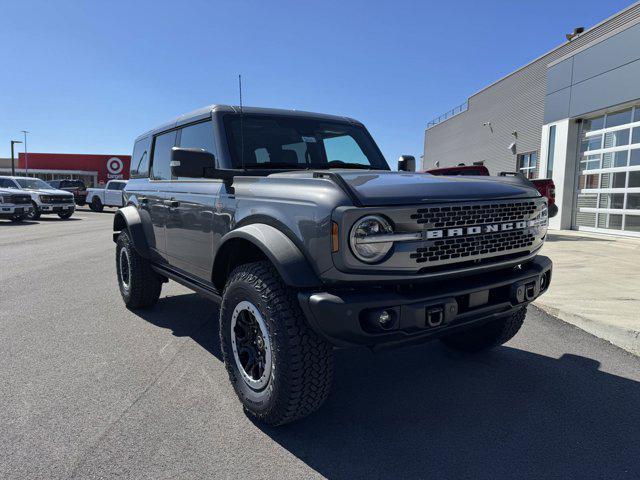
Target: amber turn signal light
(335,243)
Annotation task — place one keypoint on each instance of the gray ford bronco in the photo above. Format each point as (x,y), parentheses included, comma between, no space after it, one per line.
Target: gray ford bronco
(295,225)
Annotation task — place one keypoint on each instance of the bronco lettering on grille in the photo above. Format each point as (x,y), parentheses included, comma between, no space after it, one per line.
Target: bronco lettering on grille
(477,229)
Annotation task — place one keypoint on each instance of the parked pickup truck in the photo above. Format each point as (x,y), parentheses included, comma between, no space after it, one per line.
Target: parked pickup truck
(110,196)
(44,199)
(294,223)
(14,206)
(77,187)
(545,186)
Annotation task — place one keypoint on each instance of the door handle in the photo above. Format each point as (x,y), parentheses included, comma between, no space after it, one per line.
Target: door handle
(172,203)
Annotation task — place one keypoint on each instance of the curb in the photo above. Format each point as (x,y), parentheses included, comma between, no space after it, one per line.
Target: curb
(628,340)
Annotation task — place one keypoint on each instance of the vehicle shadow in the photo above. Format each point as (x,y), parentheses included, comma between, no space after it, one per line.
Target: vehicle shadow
(106,210)
(55,218)
(4,222)
(188,315)
(426,412)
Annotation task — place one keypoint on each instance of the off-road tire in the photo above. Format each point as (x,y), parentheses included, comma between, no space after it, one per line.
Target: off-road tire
(18,218)
(35,212)
(66,215)
(96,205)
(302,362)
(488,335)
(144,284)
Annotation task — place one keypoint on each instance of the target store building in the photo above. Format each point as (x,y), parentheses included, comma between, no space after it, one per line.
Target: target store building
(94,170)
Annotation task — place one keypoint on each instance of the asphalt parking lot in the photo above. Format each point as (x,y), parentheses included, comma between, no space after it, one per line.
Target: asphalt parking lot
(92,390)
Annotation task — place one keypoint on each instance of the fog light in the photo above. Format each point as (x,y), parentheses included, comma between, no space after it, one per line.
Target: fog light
(380,319)
(385,319)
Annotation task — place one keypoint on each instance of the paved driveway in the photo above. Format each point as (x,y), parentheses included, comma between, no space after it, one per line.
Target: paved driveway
(596,285)
(92,390)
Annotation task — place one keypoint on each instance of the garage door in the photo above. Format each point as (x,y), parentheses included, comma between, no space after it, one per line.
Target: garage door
(608,195)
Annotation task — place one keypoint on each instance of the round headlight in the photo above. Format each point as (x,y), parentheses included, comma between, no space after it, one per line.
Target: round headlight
(364,244)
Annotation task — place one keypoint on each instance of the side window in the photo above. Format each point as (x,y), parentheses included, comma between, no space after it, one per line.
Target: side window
(7,183)
(527,165)
(294,153)
(198,135)
(262,155)
(344,148)
(140,159)
(162,146)
(112,186)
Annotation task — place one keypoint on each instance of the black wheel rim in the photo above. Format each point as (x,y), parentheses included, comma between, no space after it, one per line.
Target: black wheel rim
(251,345)
(124,268)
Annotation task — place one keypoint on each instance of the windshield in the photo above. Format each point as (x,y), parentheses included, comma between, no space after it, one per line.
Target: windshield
(34,183)
(290,143)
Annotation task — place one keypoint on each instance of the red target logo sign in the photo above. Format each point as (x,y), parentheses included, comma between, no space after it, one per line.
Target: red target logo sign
(115,166)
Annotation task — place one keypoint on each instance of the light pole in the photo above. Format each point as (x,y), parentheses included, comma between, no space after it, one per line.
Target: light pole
(26,155)
(13,162)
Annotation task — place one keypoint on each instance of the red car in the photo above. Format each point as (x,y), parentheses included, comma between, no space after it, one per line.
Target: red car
(545,186)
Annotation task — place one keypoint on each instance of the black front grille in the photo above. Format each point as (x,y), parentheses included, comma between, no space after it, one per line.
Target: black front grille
(468,215)
(20,199)
(475,232)
(59,199)
(470,246)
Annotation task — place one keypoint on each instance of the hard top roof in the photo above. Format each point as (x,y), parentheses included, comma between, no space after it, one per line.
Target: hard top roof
(204,112)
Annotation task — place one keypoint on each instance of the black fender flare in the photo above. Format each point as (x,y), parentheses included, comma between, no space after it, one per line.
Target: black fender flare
(279,249)
(128,218)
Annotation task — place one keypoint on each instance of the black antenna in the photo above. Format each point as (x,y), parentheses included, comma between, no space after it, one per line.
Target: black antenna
(241,124)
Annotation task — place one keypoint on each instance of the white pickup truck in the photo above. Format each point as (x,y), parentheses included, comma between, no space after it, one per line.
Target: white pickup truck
(110,196)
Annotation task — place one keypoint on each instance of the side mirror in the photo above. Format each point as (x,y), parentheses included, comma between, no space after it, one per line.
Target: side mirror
(407,163)
(192,163)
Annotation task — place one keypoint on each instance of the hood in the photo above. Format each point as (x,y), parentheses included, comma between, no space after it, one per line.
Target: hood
(375,188)
(47,191)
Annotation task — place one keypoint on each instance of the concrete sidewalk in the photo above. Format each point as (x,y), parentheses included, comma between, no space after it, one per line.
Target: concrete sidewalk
(596,285)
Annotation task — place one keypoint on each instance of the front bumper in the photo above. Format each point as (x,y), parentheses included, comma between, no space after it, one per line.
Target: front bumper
(9,210)
(423,311)
(56,207)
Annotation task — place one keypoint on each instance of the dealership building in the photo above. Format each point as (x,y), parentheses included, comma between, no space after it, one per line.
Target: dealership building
(572,115)
(94,170)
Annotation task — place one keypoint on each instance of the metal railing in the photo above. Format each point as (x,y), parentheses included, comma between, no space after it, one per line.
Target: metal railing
(451,113)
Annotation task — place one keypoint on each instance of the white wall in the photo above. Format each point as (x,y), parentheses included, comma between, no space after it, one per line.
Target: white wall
(564,169)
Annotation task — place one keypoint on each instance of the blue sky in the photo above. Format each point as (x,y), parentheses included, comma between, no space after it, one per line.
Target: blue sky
(87,77)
